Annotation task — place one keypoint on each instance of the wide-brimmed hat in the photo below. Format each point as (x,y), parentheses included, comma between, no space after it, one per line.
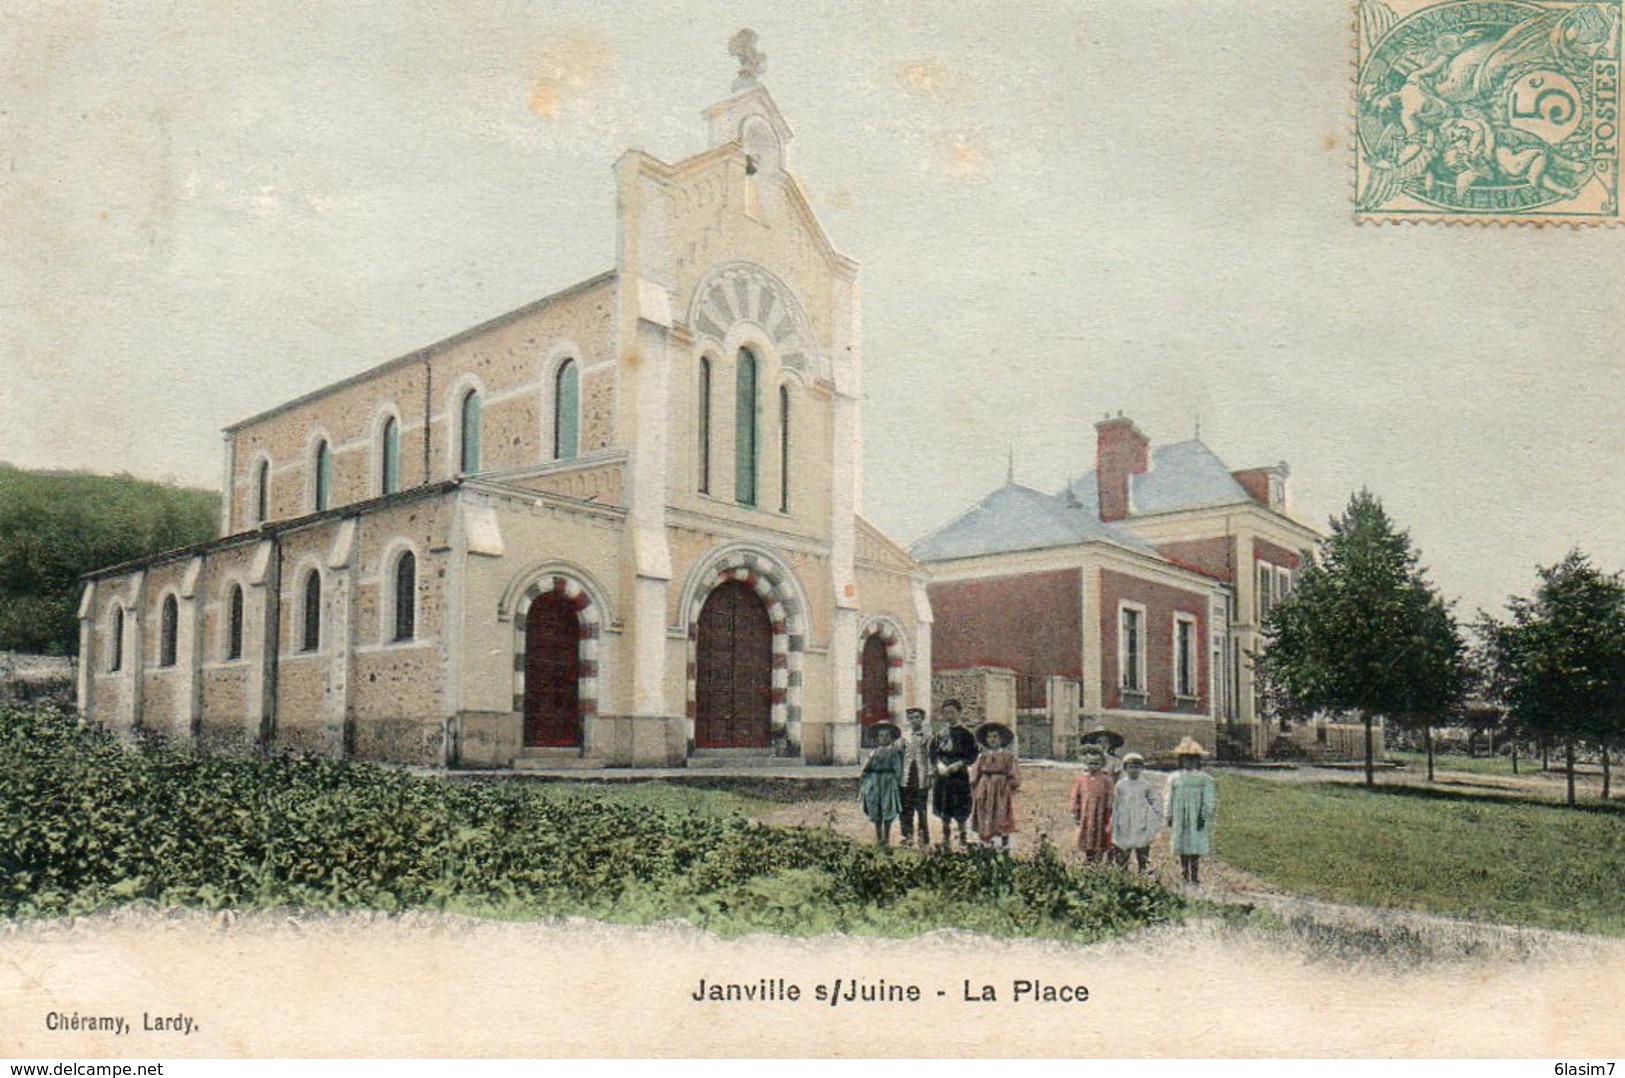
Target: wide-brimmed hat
(1101,735)
(889,727)
(1189,747)
(999,728)
(1133,758)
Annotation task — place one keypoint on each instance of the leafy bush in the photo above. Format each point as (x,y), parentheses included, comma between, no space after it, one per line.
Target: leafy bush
(86,822)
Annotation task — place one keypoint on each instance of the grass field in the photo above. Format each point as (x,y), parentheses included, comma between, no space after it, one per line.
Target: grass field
(1479,855)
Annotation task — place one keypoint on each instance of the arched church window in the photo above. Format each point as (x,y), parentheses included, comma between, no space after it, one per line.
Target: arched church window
(168,629)
(784,449)
(311,638)
(234,623)
(406,586)
(468,457)
(324,474)
(566,411)
(116,661)
(704,425)
(390,465)
(745,430)
(262,492)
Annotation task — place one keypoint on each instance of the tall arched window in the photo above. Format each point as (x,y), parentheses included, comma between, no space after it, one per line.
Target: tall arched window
(389,477)
(406,587)
(468,457)
(311,638)
(234,623)
(116,662)
(704,423)
(784,449)
(168,629)
(324,474)
(745,448)
(566,411)
(262,492)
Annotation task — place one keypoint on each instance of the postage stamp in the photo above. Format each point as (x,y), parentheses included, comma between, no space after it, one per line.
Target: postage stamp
(1488,111)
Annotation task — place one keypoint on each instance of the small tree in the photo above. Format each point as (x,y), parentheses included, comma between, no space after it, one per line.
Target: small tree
(1562,655)
(1363,630)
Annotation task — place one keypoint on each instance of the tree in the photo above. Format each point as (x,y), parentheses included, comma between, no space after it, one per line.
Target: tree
(56,526)
(1561,657)
(1363,631)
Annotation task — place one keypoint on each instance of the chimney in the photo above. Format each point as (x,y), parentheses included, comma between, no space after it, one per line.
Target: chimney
(1120,452)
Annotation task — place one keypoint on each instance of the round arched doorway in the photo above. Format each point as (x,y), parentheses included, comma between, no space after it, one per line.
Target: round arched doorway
(552,672)
(733,691)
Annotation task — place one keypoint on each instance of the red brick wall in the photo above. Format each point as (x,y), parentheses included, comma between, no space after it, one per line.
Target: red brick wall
(1256,482)
(1211,557)
(1161,602)
(1264,550)
(1029,623)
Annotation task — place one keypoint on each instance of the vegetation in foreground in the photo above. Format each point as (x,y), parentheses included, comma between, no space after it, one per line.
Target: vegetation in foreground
(1484,856)
(86,823)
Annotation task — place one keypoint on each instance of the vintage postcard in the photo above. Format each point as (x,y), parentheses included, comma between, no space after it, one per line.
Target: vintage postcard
(573,529)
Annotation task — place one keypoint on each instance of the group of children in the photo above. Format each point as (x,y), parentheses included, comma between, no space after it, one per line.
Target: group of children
(974,777)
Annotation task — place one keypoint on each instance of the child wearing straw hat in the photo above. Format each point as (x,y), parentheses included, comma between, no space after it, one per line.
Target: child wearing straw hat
(880,787)
(1191,803)
(994,778)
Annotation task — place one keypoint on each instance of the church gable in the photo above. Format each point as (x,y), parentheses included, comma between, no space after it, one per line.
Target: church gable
(875,548)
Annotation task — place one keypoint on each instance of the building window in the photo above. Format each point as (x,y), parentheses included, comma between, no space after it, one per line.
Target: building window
(566,411)
(116,662)
(406,588)
(234,623)
(324,474)
(389,474)
(468,455)
(1283,584)
(1184,655)
(705,425)
(1131,649)
(311,638)
(168,629)
(262,492)
(745,448)
(784,449)
(1266,598)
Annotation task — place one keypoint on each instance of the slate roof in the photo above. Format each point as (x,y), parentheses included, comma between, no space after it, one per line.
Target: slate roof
(1015,517)
(1184,475)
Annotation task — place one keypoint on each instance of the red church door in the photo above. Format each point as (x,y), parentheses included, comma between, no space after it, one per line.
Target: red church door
(872,687)
(552,673)
(733,690)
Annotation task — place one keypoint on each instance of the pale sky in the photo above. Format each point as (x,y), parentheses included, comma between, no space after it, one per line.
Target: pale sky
(1060,209)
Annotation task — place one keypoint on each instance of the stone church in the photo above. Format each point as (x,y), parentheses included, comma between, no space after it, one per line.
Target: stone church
(618,526)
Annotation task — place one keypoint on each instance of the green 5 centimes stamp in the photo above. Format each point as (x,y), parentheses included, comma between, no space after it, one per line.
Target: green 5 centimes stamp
(1488,111)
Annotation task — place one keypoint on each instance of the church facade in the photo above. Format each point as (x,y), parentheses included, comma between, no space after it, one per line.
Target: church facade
(621,525)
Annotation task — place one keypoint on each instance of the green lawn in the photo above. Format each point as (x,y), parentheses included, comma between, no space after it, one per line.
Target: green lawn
(1472,765)
(1475,855)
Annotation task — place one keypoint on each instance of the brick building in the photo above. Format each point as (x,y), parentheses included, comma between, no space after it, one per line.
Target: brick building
(620,524)
(1133,598)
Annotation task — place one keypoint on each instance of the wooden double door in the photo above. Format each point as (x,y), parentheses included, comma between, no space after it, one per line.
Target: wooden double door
(733,674)
(552,673)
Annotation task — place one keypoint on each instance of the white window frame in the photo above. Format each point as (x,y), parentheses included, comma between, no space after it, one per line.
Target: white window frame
(1264,589)
(1141,681)
(1190,690)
